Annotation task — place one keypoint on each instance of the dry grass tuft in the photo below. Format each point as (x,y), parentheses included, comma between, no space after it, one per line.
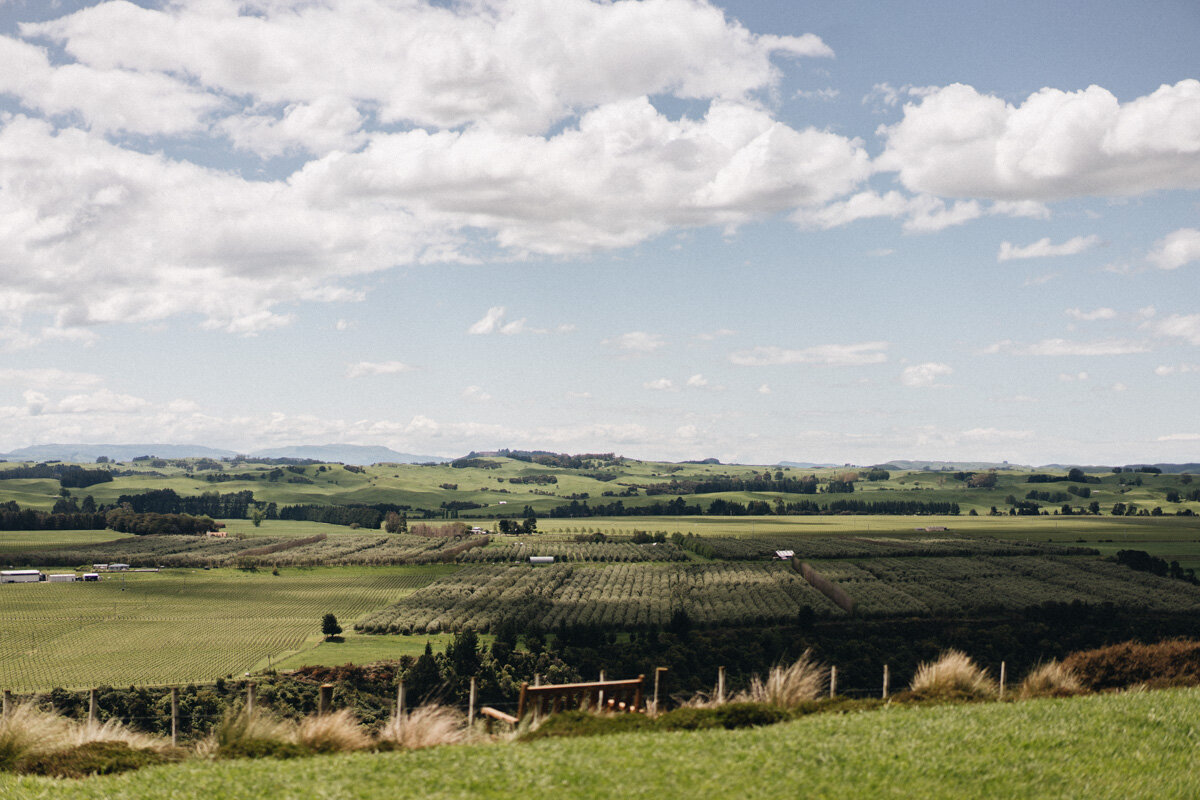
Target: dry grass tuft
(425,726)
(788,687)
(28,731)
(338,732)
(114,731)
(953,675)
(1051,679)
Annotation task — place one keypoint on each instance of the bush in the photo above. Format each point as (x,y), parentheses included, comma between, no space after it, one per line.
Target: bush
(748,715)
(584,723)
(338,732)
(26,732)
(1170,663)
(255,734)
(95,758)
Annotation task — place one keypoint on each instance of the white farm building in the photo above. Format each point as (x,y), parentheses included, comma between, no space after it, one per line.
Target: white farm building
(21,576)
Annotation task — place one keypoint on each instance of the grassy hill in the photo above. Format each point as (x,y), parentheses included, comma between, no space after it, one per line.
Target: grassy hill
(1106,746)
(504,486)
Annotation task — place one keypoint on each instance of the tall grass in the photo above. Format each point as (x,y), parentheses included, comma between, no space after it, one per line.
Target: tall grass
(1052,679)
(425,726)
(338,732)
(788,687)
(27,731)
(952,676)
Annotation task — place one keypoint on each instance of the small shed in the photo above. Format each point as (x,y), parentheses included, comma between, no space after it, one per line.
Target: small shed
(784,555)
(66,577)
(535,560)
(118,567)
(91,576)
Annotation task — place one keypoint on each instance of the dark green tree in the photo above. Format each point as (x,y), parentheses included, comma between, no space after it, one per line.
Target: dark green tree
(330,626)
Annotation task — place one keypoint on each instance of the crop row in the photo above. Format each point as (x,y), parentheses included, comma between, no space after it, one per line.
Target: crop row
(193,551)
(621,596)
(621,552)
(806,547)
(916,586)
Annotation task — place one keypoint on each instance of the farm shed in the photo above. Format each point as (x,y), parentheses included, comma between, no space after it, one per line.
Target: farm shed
(21,576)
(541,560)
(91,576)
(784,555)
(118,567)
(66,577)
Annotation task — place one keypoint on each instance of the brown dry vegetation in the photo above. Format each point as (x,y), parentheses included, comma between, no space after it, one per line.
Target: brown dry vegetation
(1171,663)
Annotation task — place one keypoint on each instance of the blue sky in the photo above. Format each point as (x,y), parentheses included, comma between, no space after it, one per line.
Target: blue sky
(836,231)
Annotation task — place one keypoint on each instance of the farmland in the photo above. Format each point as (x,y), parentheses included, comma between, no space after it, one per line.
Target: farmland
(1137,745)
(179,626)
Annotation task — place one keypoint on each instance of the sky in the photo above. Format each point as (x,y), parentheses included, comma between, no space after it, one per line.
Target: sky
(837,231)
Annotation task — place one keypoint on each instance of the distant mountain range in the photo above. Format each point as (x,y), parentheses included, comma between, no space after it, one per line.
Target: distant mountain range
(345,453)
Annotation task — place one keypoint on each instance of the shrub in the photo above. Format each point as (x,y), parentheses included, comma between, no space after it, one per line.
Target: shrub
(95,758)
(1051,679)
(689,718)
(338,732)
(584,723)
(424,726)
(788,687)
(747,715)
(1170,663)
(952,676)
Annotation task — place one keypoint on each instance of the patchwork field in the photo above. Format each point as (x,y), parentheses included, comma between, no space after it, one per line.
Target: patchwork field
(182,625)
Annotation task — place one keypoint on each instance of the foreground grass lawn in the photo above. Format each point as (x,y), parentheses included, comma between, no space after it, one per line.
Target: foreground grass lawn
(1139,745)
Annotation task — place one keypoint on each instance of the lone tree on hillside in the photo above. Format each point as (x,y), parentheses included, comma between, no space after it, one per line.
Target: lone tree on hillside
(329,626)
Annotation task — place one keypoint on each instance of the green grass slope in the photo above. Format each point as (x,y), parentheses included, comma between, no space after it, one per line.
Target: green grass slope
(1114,746)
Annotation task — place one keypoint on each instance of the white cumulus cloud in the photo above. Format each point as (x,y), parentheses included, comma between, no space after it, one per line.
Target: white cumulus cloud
(927,374)
(1176,249)
(363,369)
(1043,248)
(836,355)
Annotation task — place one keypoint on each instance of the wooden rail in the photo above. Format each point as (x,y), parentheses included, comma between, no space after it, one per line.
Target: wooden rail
(623,696)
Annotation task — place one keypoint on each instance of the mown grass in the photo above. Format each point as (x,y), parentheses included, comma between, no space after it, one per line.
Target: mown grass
(1106,746)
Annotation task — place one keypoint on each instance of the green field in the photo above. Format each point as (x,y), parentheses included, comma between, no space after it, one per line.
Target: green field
(363,649)
(182,625)
(1137,745)
(22,541)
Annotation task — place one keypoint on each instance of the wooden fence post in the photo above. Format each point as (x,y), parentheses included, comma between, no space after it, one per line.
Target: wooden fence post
(832,682)
(325,698)
(886,681)
(1003,675)
(174,717)
(93,711)
(471,707)
(250,698)
(658,671)
(7,702)
(600,694)
(400,699)
(720,684)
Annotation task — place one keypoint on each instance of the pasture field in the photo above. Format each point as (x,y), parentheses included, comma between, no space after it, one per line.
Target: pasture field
(1132,745)
(180,626)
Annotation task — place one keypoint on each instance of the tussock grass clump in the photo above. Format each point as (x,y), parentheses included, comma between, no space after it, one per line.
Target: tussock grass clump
(788,687)
(253,734)
(28,732)
(338,732)
(424,726)
(1051,679)
(952,676)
